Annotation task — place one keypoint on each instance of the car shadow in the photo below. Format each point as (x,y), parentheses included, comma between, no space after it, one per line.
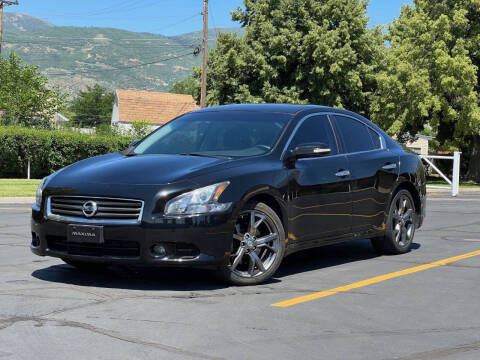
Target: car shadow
(133,278)
(328,256)
(186,279)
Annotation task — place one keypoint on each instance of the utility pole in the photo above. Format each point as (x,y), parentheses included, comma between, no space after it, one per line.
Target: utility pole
(2,4)
(204,54)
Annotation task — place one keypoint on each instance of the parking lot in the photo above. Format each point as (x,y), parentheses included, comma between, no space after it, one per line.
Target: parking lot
(363,307)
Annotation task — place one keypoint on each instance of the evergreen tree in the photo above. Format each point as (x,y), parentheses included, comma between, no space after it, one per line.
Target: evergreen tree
(298,51)
(431,75)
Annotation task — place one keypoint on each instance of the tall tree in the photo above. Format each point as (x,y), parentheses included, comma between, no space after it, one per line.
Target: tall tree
(431,76)
(188,86)
(92,107)
(24,97)
(298,51)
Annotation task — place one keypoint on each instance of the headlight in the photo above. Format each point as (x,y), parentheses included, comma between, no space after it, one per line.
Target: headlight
(200,201)
(38,195)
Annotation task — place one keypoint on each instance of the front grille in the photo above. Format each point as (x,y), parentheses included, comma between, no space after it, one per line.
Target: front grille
(108,209)
(114,248)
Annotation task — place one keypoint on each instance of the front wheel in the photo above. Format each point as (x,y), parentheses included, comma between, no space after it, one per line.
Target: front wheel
(400,228)
(258,246)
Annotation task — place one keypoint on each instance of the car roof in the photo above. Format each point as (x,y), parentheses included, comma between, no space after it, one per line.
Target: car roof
(294,110)
(275,108)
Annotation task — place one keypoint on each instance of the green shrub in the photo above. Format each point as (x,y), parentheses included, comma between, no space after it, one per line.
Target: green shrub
(140,129)
(50,150)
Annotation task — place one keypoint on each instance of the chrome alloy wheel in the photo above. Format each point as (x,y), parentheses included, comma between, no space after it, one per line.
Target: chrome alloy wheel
(255,245)
(403,221)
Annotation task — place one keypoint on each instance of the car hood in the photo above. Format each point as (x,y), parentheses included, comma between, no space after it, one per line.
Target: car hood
(134,170)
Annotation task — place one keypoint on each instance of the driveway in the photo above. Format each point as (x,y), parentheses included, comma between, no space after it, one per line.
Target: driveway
(339,302)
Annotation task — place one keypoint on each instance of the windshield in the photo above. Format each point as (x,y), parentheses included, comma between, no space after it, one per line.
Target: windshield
(217,133)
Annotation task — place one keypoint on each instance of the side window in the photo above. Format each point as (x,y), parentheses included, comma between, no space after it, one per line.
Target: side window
(355,134)
(375,138)
(315,129)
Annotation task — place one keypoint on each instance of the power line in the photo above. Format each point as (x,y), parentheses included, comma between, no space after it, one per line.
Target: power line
(62,39)
(119,69)
(177,23)
(118,6)
(76,45)
(41,57)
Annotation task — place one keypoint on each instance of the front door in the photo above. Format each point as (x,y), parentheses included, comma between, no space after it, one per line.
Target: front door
(319,198)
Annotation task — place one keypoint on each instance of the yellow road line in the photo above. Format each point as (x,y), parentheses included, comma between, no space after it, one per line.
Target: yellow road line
(374,280)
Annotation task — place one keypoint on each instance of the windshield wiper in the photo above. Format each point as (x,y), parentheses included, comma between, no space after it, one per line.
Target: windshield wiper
(203,155)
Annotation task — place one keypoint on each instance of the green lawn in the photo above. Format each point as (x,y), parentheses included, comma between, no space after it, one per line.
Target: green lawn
(462,185)
(27,188)
(18,187)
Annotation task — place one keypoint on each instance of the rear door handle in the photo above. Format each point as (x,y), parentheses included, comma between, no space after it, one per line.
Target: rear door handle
(391,166)
(343,173)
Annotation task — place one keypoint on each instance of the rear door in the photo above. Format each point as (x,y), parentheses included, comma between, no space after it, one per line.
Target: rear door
(319,200)
(373,171)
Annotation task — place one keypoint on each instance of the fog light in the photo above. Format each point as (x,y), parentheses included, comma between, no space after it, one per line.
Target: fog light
(158,250)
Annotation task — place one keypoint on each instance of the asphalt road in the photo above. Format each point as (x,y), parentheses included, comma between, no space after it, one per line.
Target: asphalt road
(49,310)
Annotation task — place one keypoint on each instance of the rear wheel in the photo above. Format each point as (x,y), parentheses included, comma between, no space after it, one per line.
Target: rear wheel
(85,266)
(258,246)
(400,228)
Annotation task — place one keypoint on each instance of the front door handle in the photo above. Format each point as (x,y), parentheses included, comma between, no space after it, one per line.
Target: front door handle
(391,166)
(343,173)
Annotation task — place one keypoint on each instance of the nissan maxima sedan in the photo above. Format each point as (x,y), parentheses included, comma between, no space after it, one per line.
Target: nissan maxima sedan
(234,188)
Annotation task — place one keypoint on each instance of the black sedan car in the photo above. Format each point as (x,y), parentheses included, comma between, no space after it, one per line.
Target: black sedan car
(235,188)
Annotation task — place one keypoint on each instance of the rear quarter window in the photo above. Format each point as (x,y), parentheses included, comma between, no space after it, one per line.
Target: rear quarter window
(356,136)
(375,138)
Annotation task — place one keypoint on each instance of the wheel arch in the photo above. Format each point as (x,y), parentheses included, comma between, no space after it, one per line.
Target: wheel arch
(270,197)
(407,185)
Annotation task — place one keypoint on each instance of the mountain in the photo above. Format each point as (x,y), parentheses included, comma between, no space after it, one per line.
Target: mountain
(73,57)
(13,21)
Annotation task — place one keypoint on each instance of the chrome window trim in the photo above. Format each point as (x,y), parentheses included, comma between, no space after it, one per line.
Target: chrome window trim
(322,157)
(74,219)
(383,143)
(290,138)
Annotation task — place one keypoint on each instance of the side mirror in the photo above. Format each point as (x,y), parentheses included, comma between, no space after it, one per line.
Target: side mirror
(311,150)
(133,143)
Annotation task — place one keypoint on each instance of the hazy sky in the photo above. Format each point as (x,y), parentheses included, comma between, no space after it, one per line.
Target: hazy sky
(167,17)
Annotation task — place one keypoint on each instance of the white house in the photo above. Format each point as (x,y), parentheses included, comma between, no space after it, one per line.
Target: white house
(60,121)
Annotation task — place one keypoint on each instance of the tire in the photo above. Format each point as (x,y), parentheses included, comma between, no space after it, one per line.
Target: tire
(258,250)
(400,227)
(85,266)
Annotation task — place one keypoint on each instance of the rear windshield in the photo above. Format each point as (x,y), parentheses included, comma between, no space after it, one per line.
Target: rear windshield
(217,133)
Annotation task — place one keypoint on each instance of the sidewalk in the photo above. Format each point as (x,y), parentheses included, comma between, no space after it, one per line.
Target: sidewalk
(17,200)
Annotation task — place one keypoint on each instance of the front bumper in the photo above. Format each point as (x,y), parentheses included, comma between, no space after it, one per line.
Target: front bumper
(201,240)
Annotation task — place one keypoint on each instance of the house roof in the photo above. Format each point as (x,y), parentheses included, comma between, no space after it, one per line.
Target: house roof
(154,107)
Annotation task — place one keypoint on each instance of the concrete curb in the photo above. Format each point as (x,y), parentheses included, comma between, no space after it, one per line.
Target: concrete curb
(17,200)
(469,191)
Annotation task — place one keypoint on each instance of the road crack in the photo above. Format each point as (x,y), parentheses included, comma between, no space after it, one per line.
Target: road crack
(40,321)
